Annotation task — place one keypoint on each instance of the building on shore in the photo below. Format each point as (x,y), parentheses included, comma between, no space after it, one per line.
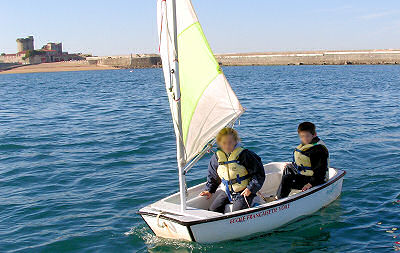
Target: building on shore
(25,44)
(51,52)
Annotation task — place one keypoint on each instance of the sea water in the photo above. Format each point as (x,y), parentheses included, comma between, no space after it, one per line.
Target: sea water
(82,152)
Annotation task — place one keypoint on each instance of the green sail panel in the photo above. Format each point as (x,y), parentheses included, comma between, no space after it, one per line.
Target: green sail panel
(197,69)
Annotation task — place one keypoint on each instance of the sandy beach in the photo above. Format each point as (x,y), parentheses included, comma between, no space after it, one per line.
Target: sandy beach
(55,67)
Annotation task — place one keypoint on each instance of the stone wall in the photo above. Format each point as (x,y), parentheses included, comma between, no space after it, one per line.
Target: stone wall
(284,58)
(127,61)
(18,58)
(14,58)
(316,58)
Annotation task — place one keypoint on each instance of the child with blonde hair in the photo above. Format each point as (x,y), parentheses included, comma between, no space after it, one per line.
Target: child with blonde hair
(239,170)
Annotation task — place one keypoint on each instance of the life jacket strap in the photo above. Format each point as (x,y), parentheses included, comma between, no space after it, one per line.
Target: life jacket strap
(227,162)
(301,151)
(301,167)
(236,180)
(227,190)
(228,183)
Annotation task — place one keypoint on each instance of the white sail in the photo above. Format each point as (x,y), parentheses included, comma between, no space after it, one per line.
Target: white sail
(202,101)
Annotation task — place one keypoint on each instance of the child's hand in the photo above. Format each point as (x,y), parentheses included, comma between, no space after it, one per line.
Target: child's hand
(206,193)
(306,187)
(287,165)
(246,192)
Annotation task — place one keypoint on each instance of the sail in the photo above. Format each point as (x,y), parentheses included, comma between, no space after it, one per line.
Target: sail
(204,102)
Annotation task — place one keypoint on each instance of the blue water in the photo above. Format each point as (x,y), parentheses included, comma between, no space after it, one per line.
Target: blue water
(81,152)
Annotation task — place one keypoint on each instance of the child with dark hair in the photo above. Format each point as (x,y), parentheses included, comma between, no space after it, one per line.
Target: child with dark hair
(310,162)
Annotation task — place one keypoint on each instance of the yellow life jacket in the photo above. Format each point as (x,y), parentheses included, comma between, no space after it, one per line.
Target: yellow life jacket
(302,161)
(234,176)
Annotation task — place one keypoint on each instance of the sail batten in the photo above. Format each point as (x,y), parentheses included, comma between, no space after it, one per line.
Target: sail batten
(205,101)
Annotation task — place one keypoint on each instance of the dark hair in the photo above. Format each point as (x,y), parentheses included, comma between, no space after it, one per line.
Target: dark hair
(306,126)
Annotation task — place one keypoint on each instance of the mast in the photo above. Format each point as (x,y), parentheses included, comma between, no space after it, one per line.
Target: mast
(201,98)
(180,149)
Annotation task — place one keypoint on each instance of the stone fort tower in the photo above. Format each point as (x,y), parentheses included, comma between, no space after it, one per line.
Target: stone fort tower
(25,44)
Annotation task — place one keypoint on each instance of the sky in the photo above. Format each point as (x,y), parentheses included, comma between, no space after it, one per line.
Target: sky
(117,27)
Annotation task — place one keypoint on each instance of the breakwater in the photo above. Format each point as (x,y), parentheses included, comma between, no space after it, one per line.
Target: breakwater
(312,58)
(360,57)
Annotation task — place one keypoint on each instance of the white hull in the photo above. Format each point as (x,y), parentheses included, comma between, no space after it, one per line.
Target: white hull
(198,224)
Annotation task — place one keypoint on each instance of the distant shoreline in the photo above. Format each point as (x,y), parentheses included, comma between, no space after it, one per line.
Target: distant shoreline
(322,57)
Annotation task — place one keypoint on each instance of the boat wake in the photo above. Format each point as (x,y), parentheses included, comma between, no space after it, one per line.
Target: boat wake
(155,243)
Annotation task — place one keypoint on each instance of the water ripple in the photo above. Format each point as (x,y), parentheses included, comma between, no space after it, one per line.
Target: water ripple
(81,152)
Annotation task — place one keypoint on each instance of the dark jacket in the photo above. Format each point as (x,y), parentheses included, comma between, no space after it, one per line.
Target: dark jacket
(250,160)
(319,162)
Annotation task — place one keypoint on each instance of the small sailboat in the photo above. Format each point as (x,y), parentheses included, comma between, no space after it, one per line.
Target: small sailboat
(202,102)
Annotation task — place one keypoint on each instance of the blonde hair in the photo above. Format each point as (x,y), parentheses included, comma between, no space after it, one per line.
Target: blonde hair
(228,131)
